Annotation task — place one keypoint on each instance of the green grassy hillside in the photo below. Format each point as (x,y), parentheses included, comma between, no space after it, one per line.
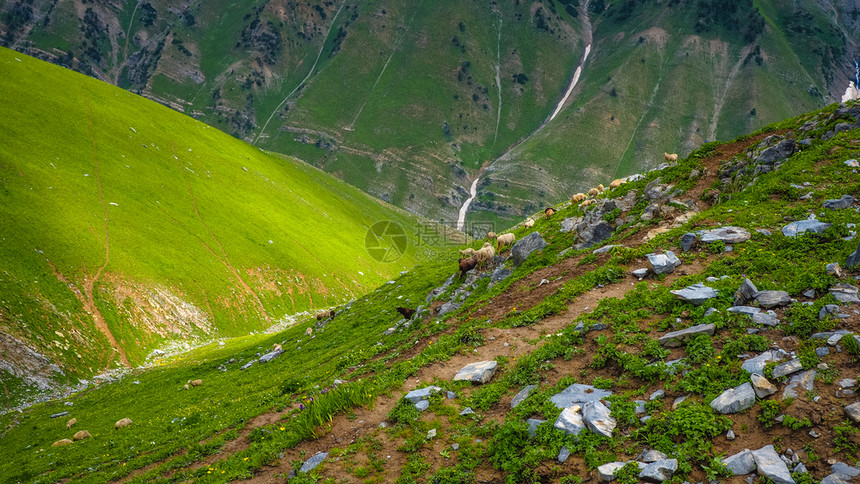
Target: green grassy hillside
(127,225)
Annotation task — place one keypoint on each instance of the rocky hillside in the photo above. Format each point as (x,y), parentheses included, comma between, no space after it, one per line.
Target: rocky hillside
(697,323)
(413,101)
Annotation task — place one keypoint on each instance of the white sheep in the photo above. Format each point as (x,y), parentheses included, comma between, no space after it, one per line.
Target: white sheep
(123,423)
(485,253)
(504,239)
(467,252)
(491,235)
(529,222)
(672,157)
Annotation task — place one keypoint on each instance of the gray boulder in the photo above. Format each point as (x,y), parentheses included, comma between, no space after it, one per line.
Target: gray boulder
(416,396)
(447,308)
(569,223)
(521,396)
(597,418)
(767,319)
(748,310)
(640,273)
(605,249)
(525,246)
(845,293)
(781,151)
(570,420)
(479,372)
(853,258)
(853,411)
(769,464)
(809,225)
(422,405)
(606,472)
(651,455)
(659,471)
(843,469)
(741,463)
(745,293)
(270,356)
(664,263)
(688,240)
(466,411)
(593,234)
(734,400)
(696,294)
(578,394)
(677,338)
(799,384)
(729,235)
(787,368)
(563,454)
(533,425)
(772,299)
(839,203)
(835,479)
(762,386)
(314,461)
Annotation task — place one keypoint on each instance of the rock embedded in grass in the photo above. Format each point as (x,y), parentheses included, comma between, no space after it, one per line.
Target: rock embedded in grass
(675,339)
(762,386)
(839,203)
(728,235)
(768,464)
(659,471)
(853,411)
(740,464)
(845,293)
(521,396)
(809,225)
(525,246)
(578,393)
(606,472)
(799,384)
(745,293)
(757,364)
(570,420)
(479,372)
(696,294)
(533,425)
(416,396)
(787,368)
(313,462)
(772,299)
(734,400)
(664,263)
(597,418)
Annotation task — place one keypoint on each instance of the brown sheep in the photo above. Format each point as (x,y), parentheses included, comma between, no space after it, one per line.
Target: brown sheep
(490,235)
(593,192)
(71,422)
(122,423)
(406,312)
(586,203)
(195,383)
(83,434)
(309,331)
(616,183)
(672,157)
(503,240)
(601,187)
(322,315)
(277,347)
(578,197)
(548,212)
(61,442)
(467,265)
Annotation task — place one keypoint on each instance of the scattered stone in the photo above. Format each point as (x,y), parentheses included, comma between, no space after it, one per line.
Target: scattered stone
(651,455)
(640,273)
(447,308)
(757,364)
(677,338)
(728,235)
(480,372)
(678,401)
(829,310)
(814,434)
(787,368)
(772,299)
(270,356)
(822,351)
(853,411)
(664,263)
(852,163)
(455,446)
(605,249)
(606,472)
(809,225)
(768,464)
(688,240)
(533,425)
(431,434)
(800,469)
(843,469)
(747,310)
(521,396)
(640,407)
(525,246)
(730,435)
(658,394)
(58,415)
(734,400)
(248,365)
(578,393)
(593,234)
(833,269)
(659,471)
(563,454)
(741,463)
(803,382)
(839,203)
(745,293)
(845,293)
(451,395)
(696,294)
(467,411)
(847,383)
(762,386)
(853,258)
(314,461)
(422,405)
(570,421)
(768,319)
(597,418)
(416,396)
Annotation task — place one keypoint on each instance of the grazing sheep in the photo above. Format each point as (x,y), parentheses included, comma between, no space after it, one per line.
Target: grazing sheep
(467,265)
(593,192)
(486,253)
(601,187)
(503,240)
(406,312)
(529,222)
(83,434)
(277,347)
(61,442)
(672,157)
(309,331)
(586,203)
(578,197)
(322,315)
(122,423)
(468,252)
(195,383)
(616,183)
(490,235)
(187,387)
(71,422)
(548,212)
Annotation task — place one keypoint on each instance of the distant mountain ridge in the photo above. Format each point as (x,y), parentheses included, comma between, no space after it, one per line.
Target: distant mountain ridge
(411,101)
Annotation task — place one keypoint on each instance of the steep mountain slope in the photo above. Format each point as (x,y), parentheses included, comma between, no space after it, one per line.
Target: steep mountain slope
(127,225)
(756,225)
(409,101)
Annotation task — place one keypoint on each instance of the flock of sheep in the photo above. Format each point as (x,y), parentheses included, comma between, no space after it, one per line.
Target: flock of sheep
(83,434)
